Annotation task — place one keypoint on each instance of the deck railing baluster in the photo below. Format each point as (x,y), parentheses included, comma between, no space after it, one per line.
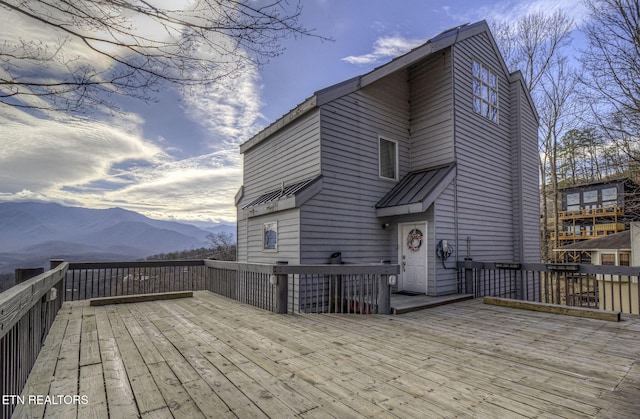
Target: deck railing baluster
(603,287)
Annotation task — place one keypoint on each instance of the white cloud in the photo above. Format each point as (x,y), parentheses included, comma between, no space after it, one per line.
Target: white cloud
(51,153)
(512,10)
(385,48)
(99,165)
(107,161)
(230,108)
(199,189)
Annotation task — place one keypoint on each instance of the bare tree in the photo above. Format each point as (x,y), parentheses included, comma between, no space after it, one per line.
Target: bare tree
(612,61)
(556,118)
(223,245)
(91,49)
(533,42)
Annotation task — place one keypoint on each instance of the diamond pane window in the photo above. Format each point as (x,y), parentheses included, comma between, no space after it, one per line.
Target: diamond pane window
(485,91)
(477,105)
(476,69)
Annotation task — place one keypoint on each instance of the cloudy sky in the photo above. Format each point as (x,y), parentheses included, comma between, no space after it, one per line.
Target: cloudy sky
(178,158)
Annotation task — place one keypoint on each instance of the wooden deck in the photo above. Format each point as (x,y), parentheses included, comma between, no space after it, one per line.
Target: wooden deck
(209,356)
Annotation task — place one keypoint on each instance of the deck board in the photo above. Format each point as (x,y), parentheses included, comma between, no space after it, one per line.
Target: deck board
(209,356)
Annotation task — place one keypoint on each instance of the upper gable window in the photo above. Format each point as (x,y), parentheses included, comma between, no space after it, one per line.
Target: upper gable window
(388,159)
(485,91)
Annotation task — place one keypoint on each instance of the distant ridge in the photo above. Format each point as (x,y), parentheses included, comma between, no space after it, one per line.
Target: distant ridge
(31,233)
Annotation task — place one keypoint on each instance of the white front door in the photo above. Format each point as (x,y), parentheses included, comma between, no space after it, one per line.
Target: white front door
(413,257)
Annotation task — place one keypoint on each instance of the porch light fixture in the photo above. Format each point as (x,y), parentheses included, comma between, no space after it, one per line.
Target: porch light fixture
(392,280)
(273,280)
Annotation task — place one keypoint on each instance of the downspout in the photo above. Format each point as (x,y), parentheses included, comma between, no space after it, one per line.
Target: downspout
(455,152)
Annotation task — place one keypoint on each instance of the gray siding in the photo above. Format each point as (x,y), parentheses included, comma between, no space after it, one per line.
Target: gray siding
(242,246)
(431,112)
(342,217)
(483,155)
(444,228)
(432,144)
(492,205)
(288,238)
(528,205)
(290,155)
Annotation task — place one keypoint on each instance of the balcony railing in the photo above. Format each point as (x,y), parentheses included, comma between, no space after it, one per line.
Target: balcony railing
(612,288)
(27,310)
(592,212)
(279,288)
(596,230)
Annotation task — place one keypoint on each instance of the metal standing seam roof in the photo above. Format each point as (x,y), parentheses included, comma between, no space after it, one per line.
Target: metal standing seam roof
(414,187)
(283,192)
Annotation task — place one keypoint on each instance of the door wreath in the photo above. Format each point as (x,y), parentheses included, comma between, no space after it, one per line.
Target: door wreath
(414,239)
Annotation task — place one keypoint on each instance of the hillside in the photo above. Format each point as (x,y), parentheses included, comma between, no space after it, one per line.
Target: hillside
(31,233)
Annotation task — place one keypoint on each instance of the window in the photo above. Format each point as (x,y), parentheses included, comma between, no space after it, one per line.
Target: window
(270,235)
(609,197)
(388,154)
(573,198)
(485,91)
(608,259)
(590,196)
(625,259)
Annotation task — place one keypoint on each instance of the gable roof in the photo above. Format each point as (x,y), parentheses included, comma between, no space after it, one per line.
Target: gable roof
(441,41)
(617,241)
(416,191)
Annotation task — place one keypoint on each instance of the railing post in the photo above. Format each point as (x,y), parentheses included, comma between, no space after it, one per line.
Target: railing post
(520,291)
(54,263)
(468,277)
(384,295)
(23,274)
(282,288)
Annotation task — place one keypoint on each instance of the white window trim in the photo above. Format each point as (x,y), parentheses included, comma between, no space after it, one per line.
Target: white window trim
(397,162)
(264,230)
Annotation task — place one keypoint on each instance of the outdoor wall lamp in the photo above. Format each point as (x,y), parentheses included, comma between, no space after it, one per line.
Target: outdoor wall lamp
(392,280)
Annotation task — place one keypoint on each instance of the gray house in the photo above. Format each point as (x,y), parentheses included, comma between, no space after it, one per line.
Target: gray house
(424,161)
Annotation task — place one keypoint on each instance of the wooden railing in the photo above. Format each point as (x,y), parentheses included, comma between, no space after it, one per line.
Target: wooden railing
(592,212)
(361,289)
(280,288)
(27,311)
(595,286)
(109,279)
(284,288)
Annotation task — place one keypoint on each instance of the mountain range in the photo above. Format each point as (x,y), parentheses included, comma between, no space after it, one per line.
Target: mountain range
(32,233)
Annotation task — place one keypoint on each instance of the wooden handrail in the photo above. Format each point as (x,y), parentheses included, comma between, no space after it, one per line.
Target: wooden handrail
(592,212)
(19,299)
(27,312)
(137,264)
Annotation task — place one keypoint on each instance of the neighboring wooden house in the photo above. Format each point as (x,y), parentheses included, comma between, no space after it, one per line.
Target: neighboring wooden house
(424,161)
(619,249)
(591,211)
